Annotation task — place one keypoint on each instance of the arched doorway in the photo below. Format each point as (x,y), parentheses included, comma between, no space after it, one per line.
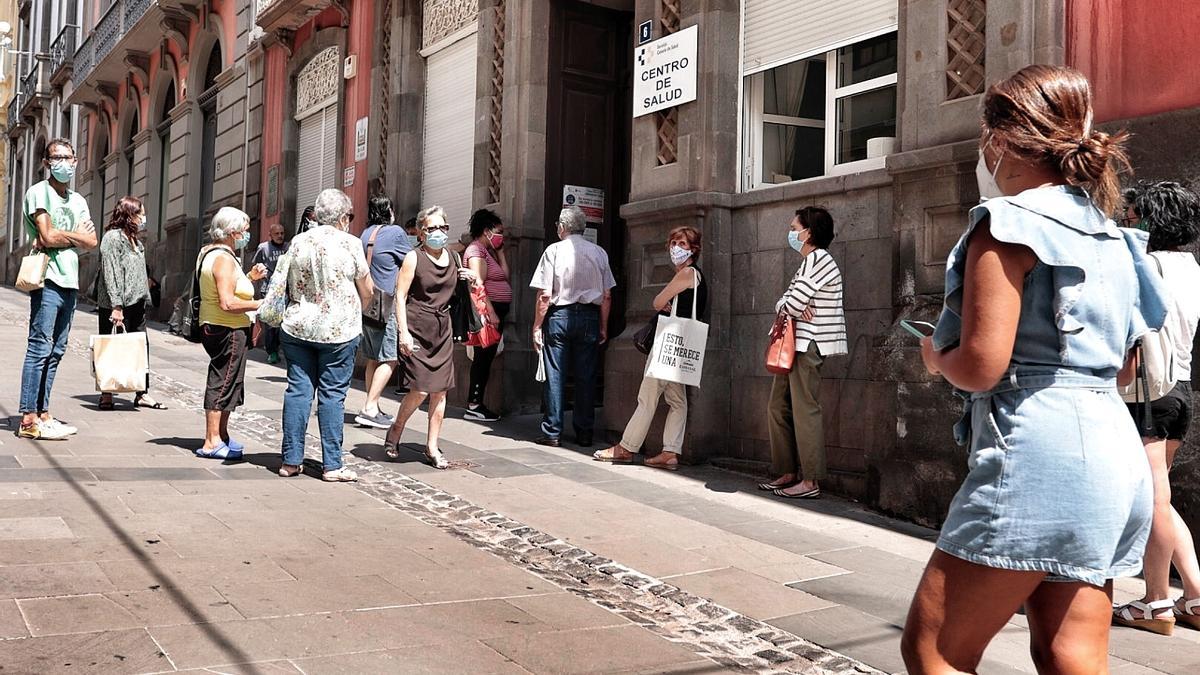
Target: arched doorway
(317,118)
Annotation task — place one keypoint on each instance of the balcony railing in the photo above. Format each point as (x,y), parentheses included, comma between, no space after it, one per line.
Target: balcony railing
(113,26)
(14,109)
(62,52)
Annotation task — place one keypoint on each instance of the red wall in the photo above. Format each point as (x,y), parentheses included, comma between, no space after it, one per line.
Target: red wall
(1139,54)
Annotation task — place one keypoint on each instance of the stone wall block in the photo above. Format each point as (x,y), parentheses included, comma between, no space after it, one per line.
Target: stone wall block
(868,274)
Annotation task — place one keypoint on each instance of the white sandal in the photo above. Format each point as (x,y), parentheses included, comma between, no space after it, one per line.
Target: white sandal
(436,459)
(342,475)
(1138,614)
(1189,614)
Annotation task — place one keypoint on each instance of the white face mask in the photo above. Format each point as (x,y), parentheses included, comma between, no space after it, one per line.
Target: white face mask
(988,188)
(679,255)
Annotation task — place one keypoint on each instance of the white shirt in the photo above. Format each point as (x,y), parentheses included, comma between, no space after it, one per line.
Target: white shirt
(1182,277)
(817,285)
(573,271)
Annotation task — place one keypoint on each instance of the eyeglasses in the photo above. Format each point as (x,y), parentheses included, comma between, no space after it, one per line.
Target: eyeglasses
(350,216)
(61,158)
(1129,221)
(443,228)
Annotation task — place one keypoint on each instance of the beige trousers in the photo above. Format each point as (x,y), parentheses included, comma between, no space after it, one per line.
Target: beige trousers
(794,419)
(643,417)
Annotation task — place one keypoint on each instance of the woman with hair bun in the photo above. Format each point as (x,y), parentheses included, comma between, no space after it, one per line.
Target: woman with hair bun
(1045,298)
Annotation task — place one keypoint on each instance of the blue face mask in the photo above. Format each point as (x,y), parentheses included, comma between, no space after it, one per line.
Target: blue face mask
(413,240)
(436,240)
(795,241)
(243,240)
(63,172)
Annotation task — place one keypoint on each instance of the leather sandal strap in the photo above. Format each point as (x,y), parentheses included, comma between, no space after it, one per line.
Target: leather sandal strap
(1191,606)
(1146,609)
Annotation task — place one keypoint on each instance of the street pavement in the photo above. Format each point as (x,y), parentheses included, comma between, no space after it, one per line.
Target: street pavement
(120,551)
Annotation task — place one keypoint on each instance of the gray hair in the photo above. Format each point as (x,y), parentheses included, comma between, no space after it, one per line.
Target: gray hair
(331,205)
(227,221)
(428,213)
(572,220)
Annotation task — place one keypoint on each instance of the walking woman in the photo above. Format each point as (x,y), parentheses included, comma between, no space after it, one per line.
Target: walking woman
(814,302)
(485,257)
(1045,297)
(226,294)
(122,287)
(328,283)
(423,293)
(1171,214)
(687,286)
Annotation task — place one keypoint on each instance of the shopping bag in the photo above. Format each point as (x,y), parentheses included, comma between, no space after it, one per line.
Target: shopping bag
(781,350)
(32,274)
(678,351)
(488,333)
(121,362)
(540,374)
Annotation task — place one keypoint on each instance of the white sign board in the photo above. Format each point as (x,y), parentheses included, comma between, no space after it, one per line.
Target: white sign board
(348,176)
(589,200)
(360,140)
(664,74)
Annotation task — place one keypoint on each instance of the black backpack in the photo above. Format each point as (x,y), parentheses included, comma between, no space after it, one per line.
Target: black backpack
(190,328)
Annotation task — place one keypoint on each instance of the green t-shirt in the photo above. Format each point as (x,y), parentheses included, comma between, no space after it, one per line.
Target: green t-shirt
(66,214)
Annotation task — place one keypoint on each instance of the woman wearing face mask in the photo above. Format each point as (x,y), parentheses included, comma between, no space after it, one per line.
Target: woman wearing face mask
(814,302)
(328,281)
(688,285)
(423,293)
(122,287)
(485,257)
(226,294)
(1045,297)
(308,220)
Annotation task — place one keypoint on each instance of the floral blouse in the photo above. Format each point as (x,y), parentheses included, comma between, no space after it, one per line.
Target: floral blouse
(323,265)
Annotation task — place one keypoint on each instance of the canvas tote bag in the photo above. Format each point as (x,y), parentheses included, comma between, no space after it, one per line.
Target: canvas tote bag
(1156,362)
(121,362)
(678,351)
(32,275)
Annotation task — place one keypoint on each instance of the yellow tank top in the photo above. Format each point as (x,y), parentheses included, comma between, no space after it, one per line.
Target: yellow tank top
(210,305)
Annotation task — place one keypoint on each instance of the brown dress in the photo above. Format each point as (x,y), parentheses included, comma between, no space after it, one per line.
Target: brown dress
(430,369)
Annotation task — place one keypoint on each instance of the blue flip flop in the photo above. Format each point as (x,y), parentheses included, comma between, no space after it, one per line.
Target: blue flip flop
(234,445)
(222,451)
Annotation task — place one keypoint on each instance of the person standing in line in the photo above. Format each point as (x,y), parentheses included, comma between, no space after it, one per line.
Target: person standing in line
(574,284)
(687,286)
(268,254)
(123,287)
(485,257)
(814,302)
(57,219)
(424,290)
(226,295)
(328,284)
(1045,299)
(1171,214)
(385,246)
(308,220)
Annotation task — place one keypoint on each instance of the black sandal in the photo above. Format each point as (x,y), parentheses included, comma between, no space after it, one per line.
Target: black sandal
(154,405)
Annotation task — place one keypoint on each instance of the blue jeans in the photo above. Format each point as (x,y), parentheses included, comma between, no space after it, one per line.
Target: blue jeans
(51,310)
(572,340)
(327,368)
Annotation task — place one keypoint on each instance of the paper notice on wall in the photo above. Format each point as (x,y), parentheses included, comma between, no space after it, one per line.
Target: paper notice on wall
(348,177)
(589,200)
(592,234)
(360,140)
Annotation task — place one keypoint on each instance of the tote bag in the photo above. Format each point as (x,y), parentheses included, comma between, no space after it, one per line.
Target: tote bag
(32,275)
(121,362)
(678,351)
(1156,363)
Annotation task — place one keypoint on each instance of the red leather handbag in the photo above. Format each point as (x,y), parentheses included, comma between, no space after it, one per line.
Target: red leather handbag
(781,351)
(489,334)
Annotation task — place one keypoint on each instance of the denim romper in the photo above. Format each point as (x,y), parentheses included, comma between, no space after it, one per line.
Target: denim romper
(1058,479)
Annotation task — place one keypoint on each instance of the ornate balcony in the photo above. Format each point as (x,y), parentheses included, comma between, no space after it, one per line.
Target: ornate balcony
(62,54)
(35,85)
(277,15)
(14,111)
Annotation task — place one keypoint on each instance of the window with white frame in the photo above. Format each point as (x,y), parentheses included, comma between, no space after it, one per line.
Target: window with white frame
(816,116)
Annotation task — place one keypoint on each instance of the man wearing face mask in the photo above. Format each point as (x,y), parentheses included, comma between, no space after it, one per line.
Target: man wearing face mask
(57,219)
(574,283)
(268,254)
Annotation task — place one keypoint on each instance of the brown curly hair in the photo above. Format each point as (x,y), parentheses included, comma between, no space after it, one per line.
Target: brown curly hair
(125,217)
(1043,114)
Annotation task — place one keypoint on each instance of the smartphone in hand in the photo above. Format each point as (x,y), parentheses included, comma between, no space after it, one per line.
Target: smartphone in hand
(920,329)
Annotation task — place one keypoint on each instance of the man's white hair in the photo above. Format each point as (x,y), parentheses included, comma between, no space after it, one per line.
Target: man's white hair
(331,205)
(572,220)
(428,213)
(227,221)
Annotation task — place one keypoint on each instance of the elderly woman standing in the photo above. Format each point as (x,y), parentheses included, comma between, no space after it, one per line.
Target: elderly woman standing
(328,284)
(226,295)
(814,302)
(423,293)
(122,287)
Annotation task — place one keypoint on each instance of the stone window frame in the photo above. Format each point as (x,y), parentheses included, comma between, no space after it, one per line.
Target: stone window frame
(753,91)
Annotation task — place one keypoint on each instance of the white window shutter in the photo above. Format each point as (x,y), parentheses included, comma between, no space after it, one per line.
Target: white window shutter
(316,159)
(780,32)
(447,177)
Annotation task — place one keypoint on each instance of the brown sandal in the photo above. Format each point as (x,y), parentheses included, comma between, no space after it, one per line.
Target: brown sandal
(610,455)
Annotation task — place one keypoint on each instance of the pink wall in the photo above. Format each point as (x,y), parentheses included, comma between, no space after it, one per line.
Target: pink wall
(1139,54)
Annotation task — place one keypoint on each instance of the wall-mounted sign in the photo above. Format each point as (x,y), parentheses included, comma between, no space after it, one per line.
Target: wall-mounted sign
(664,74)
(645,32)
(360,140)
(348,176)
(273,190)
(589,200)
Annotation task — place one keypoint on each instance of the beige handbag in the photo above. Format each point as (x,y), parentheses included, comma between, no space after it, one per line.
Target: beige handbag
(121,362)
(32,275)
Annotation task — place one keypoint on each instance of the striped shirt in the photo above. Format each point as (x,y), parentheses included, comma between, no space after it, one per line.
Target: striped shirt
(817,285)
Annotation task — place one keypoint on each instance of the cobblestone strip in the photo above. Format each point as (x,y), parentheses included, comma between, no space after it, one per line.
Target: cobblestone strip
(707,629)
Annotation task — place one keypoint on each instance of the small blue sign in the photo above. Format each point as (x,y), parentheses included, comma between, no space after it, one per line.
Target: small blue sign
(645,32)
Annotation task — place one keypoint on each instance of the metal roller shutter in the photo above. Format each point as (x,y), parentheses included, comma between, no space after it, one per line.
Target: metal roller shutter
(316,158)
(779,32)
(448,154)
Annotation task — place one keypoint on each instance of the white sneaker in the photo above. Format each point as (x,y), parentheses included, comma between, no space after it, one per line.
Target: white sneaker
(45,431)
(58,428)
